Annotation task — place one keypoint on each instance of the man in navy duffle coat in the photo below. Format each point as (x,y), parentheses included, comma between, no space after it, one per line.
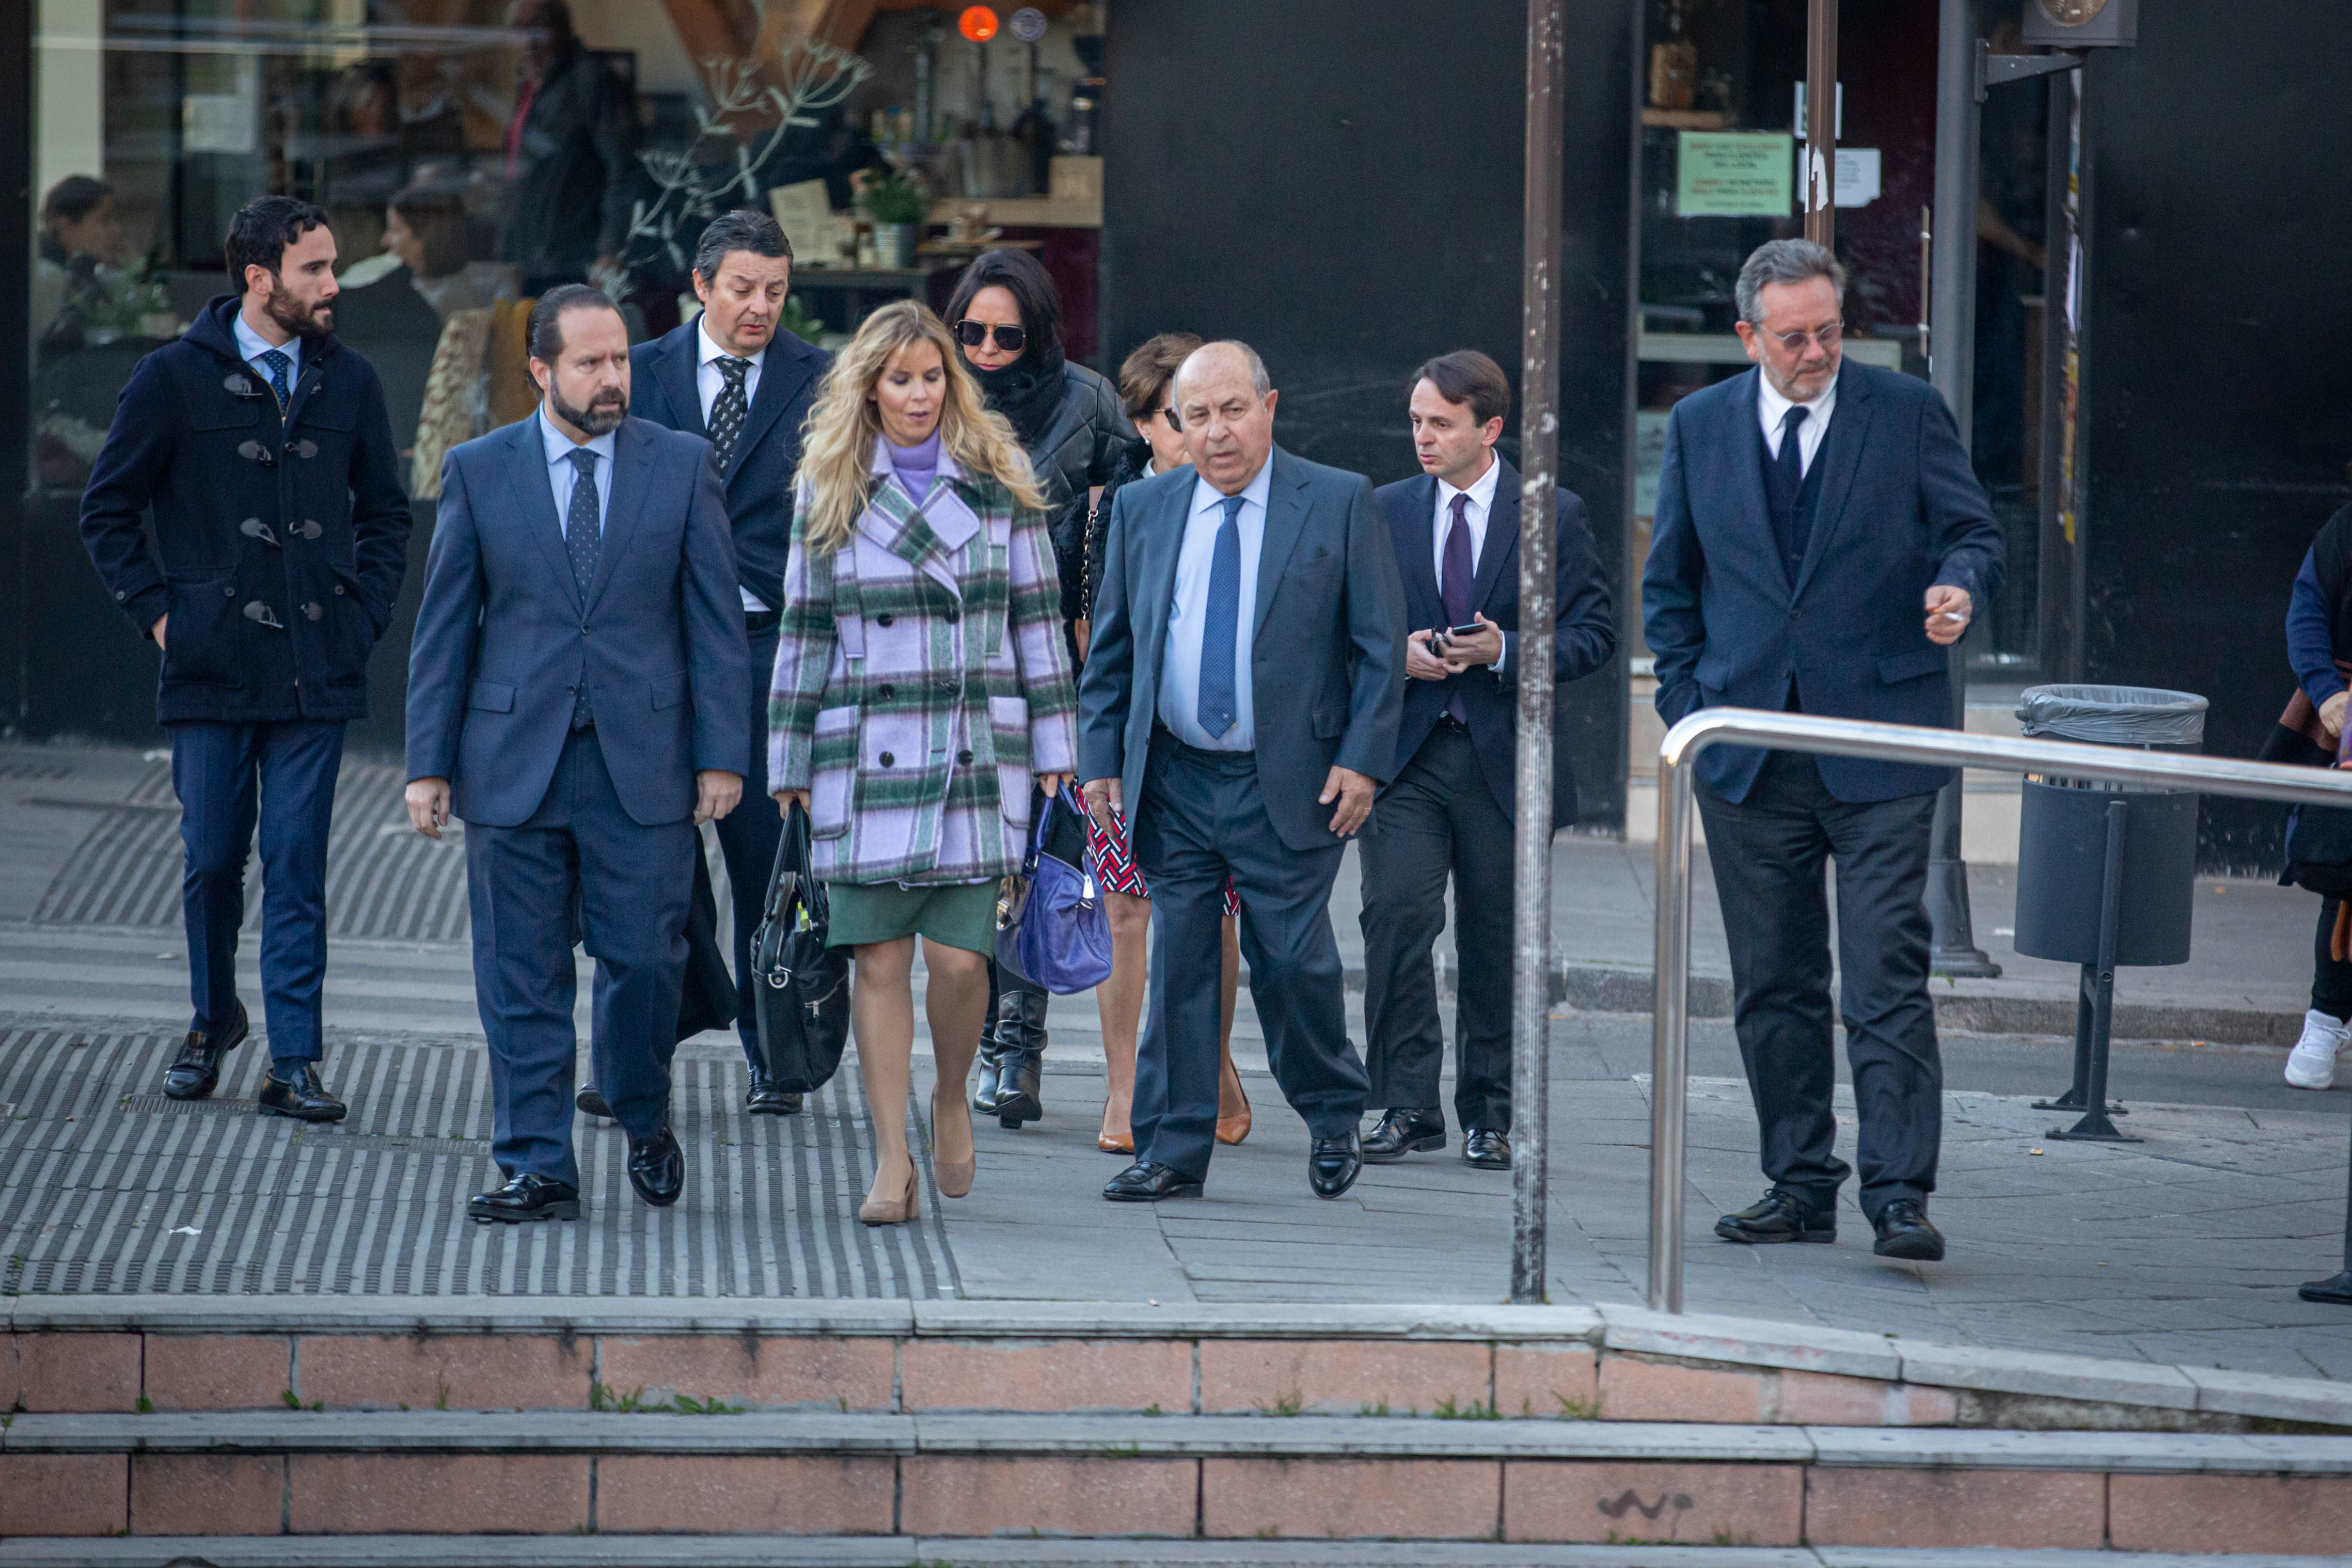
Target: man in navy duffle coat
(263,449)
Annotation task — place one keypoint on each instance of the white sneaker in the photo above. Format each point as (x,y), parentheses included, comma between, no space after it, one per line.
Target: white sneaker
(2312,1064)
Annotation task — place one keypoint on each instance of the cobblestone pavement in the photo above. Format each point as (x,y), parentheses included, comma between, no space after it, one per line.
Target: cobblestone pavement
(2184,1248)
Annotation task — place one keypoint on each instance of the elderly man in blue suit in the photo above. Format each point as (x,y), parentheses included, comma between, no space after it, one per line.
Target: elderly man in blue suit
(734,377)
(1821,540)
(1240,705)
(577,695)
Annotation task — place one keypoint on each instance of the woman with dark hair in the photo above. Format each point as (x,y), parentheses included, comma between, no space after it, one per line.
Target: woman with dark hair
(426,230)
(80,232)
(1006,316)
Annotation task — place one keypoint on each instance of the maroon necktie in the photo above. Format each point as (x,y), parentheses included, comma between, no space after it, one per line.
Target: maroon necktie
(1456,587)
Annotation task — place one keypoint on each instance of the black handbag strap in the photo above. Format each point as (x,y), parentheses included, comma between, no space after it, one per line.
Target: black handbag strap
(790,880)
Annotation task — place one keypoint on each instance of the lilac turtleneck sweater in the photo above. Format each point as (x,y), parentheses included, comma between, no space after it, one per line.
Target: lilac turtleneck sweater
(915,467)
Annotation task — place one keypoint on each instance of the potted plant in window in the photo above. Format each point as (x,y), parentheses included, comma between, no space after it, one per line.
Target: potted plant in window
(896,201)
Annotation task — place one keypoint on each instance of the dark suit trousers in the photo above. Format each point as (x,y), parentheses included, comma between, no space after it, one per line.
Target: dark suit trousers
(1200,819)
(1439,817)
(227,777)
(632,883)
(747,837)
(1767,853)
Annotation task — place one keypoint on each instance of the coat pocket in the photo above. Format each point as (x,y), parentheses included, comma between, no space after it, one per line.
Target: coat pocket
(1008,725)
(1330,722)
(491,696)
(1897,668)
(670,691)
(201,639)
(832,772)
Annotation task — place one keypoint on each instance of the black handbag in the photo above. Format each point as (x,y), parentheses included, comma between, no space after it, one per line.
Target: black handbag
(801,986)
(2319,850)
(705,994)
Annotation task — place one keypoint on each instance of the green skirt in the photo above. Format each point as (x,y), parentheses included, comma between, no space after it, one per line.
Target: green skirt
(958,914)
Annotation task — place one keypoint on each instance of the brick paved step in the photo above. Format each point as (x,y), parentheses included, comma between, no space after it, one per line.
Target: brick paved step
(549,1473)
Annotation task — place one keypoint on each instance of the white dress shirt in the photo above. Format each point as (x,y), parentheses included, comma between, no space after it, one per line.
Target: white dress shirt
(253,345)
(561,474)
(709,383)
(1773,410)
(1187,609)
(1482,503)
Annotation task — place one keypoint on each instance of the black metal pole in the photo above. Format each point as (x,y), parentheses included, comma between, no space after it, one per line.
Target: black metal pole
(1539,483)
(1951,368)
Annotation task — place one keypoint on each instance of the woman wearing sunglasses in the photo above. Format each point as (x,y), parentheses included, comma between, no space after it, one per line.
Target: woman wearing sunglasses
(1007,319)
(1147,383)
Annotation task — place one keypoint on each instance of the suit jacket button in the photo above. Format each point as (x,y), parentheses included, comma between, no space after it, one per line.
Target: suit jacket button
(882,620)
(339,588)
(229,592)
(965,758)
(947,689)
(888,759)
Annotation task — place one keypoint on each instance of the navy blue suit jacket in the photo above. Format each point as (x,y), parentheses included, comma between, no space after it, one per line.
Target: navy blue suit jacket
(1584,631)
(1900,511)
(759,477)
(1326,660)
(504,638)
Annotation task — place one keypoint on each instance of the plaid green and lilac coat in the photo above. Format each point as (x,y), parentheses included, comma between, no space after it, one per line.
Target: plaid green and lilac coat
(920,683)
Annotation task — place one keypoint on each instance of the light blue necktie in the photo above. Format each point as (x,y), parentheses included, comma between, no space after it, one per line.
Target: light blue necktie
(278,365)
(1214,708)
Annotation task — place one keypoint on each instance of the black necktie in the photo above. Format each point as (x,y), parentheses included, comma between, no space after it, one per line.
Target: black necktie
(728,410)
(1456,588)
(1788,485)
(581,525)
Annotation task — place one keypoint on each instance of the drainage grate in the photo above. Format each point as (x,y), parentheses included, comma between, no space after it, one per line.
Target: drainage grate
(382,879)
(139,1193)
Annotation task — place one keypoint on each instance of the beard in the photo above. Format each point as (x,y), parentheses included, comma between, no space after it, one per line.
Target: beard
(305,321)
(603,414)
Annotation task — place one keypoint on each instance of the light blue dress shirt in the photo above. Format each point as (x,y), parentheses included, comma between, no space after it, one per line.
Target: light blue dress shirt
(1188,612)
(253,345)
(561,474)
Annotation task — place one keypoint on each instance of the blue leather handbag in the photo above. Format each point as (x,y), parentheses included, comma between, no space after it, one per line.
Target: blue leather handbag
(1064,937)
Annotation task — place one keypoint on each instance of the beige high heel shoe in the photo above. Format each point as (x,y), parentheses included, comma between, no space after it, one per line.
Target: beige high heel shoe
(953,1177)
(872,1212)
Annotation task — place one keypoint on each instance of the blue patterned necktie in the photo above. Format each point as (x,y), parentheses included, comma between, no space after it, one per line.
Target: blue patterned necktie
(1221,625)
(581,528)
(279,365)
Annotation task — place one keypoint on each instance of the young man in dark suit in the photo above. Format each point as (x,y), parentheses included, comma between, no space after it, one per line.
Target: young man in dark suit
(1239,706)
(736,378)
(577,694)
(263,448)
(1450,805)
(1821,541)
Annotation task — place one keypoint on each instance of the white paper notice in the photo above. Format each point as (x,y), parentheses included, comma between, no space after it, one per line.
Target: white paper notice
(1857,176)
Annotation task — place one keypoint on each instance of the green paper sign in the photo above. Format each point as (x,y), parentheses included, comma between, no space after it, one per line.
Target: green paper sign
(1734,174)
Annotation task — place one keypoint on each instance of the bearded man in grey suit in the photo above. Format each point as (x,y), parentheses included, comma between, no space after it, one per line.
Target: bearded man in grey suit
(1240,702)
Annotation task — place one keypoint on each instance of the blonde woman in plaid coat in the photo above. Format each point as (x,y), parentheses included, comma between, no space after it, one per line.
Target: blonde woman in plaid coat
(920,683)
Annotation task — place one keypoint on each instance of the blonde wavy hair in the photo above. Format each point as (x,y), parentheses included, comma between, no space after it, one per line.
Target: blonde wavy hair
(837,450)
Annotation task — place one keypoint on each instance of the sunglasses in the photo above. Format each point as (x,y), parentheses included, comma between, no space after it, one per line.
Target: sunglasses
(1794,343)
(1169,414)
(972,334)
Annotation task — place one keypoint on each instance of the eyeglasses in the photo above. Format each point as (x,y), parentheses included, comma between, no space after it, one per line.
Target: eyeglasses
(1169,414)
(1827,337)
(972,334)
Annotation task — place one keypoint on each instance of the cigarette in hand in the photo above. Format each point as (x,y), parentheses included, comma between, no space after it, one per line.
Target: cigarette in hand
(1948,615)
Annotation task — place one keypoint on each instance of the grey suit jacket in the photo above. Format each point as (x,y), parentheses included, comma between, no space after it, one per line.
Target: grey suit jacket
(1327,660)
(504,636)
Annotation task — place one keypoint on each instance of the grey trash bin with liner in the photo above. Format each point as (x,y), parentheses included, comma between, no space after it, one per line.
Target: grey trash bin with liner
(2105,873)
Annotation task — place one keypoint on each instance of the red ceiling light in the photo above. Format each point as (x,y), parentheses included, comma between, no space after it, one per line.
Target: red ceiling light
(978,23)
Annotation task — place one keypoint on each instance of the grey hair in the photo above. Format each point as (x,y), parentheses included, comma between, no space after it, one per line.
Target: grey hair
(1784,261)
(1258,378)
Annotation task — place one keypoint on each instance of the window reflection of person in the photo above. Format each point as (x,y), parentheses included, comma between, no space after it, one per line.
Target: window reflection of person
(571,147)
(80,242)
(426,231)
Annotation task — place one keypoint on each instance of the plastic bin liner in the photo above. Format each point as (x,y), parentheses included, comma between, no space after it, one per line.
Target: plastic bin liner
(2114,715)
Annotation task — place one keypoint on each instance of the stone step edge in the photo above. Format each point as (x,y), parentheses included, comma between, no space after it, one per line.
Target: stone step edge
(1174,1436)
(1713,1340)
(914,1552)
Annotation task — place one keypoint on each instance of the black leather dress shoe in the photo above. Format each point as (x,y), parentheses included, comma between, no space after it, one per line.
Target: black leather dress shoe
(2334,1292)
(1488,1149)
(301,1095)
(1403,1133)
(524,1197)
(1904,1231)
(1333,1163)
(194,1073)
(658,1167)
(1145,1182)
(591,1102)
(1780,1217)
(765,1098)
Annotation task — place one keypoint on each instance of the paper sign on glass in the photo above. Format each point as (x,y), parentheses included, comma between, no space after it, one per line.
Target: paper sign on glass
(1734,174)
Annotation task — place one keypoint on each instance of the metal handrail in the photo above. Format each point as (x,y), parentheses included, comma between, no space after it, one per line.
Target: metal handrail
(1670,1048)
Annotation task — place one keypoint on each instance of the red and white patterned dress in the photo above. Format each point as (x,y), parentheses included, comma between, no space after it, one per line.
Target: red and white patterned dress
(1115,867)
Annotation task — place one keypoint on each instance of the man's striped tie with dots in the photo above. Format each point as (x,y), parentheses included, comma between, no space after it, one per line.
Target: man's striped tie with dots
(581,525)
(727,411)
